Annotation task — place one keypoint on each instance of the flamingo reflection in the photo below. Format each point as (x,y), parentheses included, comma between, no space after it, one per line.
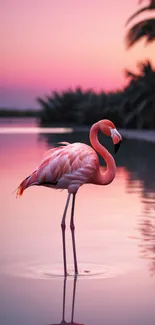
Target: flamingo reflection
(147,230)
(63,322)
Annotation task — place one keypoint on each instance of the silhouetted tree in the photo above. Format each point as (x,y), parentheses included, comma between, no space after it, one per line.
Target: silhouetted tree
(140,97)
(133,107)
(144,28)
(79,107)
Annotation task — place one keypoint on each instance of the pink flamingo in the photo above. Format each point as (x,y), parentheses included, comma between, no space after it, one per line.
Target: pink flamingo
(72,165)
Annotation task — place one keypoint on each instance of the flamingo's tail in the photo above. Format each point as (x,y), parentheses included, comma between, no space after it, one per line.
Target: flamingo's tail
(19,191)
(24,184)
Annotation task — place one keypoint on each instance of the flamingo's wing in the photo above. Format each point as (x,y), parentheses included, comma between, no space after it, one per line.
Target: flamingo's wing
(63,165)
(41,175)
(72,162)
(64,143)
(50,151)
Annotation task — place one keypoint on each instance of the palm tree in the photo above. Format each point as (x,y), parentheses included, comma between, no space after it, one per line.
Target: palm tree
(140,98)
(79,107)
(151,6)
(145,28)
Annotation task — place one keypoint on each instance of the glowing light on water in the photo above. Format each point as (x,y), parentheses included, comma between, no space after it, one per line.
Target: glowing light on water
(31,130)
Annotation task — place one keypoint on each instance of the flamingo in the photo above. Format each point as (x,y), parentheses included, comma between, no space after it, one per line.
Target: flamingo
(69,166)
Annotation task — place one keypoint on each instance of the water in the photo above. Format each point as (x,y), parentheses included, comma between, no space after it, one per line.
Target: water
(115,237)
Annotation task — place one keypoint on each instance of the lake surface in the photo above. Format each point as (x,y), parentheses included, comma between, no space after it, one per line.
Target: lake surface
(115,236)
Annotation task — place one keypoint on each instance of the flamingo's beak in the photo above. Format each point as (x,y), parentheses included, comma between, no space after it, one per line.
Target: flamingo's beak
(116,146)
(117,139)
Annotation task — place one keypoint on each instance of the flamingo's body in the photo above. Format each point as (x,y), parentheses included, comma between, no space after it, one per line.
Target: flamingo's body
(72,165)
(65,167)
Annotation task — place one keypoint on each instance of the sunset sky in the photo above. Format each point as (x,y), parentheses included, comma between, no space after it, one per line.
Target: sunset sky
(56,44)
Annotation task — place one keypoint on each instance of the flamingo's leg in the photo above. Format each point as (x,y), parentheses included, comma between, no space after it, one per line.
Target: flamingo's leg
(72,227)
(64,300)
(73,301)
(63,227)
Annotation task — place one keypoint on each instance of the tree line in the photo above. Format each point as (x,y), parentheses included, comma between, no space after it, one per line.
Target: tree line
(132,107)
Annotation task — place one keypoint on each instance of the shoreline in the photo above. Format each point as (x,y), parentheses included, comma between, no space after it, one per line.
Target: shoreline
(144,135)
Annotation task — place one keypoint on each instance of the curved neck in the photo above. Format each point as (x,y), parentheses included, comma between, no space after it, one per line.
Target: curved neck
(108,176)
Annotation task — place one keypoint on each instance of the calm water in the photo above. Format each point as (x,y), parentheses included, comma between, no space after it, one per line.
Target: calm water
(115,237)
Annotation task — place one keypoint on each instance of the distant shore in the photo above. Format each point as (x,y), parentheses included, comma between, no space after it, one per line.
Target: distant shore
(145,135)
(18,113)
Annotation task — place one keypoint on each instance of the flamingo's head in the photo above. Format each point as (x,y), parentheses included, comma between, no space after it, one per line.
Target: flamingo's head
(108,128)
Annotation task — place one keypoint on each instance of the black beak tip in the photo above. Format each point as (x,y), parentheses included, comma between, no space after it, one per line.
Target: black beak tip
(116,146)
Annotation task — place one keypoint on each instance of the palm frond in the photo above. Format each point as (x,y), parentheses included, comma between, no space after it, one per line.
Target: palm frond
(129,74)
(145,68)
(145,28)
(137,13)
(152,2)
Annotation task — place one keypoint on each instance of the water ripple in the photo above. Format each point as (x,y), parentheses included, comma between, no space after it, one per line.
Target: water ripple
(47,271)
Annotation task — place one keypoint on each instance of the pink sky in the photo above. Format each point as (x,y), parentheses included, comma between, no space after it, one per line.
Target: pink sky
(56,44)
